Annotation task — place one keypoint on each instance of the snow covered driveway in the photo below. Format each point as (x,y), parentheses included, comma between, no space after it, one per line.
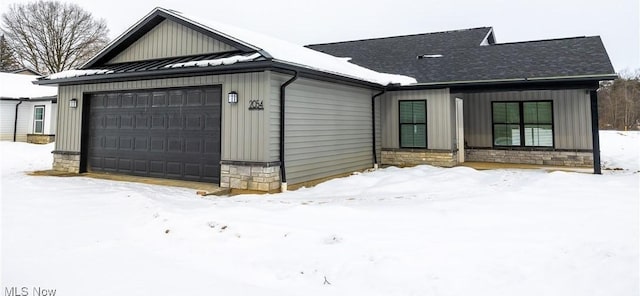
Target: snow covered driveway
(415,231)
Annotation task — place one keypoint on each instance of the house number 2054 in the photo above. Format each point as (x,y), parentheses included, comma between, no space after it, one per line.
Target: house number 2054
(256,105)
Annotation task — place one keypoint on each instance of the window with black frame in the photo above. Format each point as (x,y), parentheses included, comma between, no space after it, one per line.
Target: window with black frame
(523,124)
(413,124)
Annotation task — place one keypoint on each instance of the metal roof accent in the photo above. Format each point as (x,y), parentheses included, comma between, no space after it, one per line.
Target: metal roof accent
(149,65)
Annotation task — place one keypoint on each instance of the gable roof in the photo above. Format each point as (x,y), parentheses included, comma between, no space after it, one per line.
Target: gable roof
(26,71)
(269,49)
(17,86)
(463,56)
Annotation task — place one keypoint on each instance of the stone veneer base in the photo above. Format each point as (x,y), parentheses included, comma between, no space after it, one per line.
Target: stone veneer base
(250,176)
(539,157)
(40,139)
(412,157)
(66,161)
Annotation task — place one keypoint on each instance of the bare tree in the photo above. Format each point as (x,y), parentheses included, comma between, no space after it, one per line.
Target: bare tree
(8,61)
(619,102)
(50,36)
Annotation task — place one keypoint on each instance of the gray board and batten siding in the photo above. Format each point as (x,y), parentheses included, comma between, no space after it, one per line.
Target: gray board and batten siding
(170,39)
(571,116)
(243,131)
(440,118)
(327,128)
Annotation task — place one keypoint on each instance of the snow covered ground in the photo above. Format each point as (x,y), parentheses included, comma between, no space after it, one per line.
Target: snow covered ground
(413,231)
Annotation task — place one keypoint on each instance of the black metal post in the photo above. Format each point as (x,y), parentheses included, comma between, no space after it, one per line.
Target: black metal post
(595,132)
(373,126)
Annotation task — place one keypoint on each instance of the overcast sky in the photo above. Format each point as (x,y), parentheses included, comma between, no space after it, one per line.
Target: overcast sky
(305,22)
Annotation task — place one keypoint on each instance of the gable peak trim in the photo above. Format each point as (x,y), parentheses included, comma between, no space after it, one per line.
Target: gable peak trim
(147,23)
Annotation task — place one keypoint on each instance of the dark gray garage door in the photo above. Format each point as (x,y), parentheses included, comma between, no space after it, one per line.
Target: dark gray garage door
(167,133)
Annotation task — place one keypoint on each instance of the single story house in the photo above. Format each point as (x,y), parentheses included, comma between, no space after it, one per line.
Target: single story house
(530,102)
(185,98)
(28,112)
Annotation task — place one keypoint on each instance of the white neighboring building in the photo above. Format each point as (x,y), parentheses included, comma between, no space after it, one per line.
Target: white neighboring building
(34,105)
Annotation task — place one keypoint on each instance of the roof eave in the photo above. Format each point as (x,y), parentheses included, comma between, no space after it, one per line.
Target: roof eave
(31,99)
(160,73)
(325,76)
(223,69)
(576,78)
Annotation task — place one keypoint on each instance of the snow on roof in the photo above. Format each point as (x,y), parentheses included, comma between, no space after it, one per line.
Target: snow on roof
(216,62)
(20,86)
(286,52)
(77,73)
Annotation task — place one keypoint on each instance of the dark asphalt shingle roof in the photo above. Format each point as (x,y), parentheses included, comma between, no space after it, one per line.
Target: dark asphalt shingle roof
(465,59)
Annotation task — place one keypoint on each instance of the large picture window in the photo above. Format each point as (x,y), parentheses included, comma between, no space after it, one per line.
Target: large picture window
(413,124)
(38,120)
(528,124)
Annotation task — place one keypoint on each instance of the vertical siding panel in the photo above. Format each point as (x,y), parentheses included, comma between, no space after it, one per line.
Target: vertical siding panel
(247,123)
(330,122)
(274,121)
(571,116)
(227,122)
(167,41)
(251,133)
(256,124)
(197,41)
(170,39)
(182,44)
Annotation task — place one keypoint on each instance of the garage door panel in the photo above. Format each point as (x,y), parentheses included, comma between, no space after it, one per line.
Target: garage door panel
(177,137)
(126,121)
(193,146)
(110,143)
(128,101)
(159,100)
(194,122)
(157,144)
(110,164)
(125,165)
(157,167)
(195,98)
(176,122)
(126,143)
(111,122)
(176,99)
(141,167)
(174,169)
(141,144)
(142,100)
(112,101)
(157,122)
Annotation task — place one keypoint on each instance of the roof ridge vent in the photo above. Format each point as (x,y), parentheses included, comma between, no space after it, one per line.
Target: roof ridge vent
(429,56)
